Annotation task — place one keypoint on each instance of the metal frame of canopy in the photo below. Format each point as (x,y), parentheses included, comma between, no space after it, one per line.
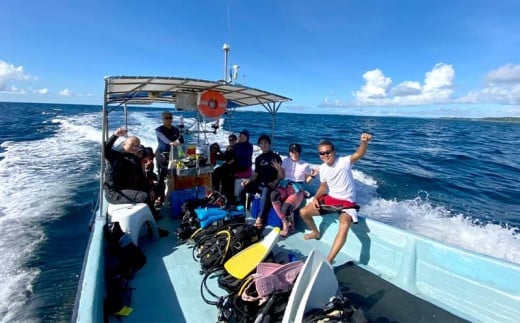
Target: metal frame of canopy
(145,90)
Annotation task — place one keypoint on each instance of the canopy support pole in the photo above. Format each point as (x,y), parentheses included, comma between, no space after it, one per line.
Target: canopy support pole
(272,108)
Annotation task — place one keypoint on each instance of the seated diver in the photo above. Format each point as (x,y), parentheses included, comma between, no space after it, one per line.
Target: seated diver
(125,181)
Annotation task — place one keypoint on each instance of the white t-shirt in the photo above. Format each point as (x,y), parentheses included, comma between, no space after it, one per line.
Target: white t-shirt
(295,171)
(339,179)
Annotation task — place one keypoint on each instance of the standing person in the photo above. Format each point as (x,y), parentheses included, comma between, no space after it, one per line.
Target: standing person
(167,136)
(264,179)
(290,192)
(223,176)
(336,178)
(125,180)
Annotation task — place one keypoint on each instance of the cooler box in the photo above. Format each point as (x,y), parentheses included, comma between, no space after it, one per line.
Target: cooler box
(190,181)
(272,218)
(178,197)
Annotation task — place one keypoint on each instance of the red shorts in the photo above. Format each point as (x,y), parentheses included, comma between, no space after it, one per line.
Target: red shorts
(330,201)
(329,205)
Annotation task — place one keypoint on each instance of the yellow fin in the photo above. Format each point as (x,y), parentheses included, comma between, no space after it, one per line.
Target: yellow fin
(125,311)
(244,262)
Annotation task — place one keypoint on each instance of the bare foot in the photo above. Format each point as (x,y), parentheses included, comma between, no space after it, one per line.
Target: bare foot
(258,224)
(312,235)
(285,230)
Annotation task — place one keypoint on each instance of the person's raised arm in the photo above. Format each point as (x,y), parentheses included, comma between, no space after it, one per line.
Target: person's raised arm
(362,149)
(279,169)
(109,152)
(311,175)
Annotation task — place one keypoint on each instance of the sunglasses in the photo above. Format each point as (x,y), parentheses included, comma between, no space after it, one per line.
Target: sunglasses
(325,153)
(167,118)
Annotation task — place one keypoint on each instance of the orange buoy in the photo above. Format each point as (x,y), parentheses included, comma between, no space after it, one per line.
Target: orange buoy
(212,104)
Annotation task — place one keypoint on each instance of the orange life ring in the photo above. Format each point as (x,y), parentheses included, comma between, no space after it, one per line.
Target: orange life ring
(212,104)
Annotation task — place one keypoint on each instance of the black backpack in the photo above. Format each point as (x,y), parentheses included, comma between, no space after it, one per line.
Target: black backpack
(338,310)
(190,222)
(232,308)
(122,260)
(219,244)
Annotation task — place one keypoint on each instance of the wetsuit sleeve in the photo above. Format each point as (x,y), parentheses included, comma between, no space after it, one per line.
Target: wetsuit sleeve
(278,159)
(110,153)
(229,155)
(162,137)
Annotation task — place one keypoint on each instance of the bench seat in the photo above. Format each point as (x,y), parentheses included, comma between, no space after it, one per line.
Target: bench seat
(132,217)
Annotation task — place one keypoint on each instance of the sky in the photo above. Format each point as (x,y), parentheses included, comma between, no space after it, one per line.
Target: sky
(420,58)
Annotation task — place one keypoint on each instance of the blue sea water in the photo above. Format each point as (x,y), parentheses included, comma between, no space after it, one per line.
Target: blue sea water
(455,181)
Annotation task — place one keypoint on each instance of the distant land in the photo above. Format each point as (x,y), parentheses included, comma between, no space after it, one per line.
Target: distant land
(261,109)
(491,119)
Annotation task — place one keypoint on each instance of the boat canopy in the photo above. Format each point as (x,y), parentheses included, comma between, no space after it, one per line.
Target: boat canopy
(182,92)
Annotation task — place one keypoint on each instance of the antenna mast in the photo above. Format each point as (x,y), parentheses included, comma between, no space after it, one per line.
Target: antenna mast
(226,49)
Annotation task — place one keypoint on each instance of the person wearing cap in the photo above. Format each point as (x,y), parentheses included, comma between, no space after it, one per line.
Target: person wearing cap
(167,136)
(336,192)
(290,193)
(264,179)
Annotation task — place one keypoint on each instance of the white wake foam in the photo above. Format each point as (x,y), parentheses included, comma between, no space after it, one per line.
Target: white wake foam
(38,179)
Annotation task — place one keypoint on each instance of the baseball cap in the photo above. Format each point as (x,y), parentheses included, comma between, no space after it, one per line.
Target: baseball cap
(295,147)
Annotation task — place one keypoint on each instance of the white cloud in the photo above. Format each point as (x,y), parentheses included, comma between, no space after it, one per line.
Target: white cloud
(439,78)
(407,88)
(508,73)
(66,92)
(471,97)
(10,73)
(377,90)
(502,87)
(42,91)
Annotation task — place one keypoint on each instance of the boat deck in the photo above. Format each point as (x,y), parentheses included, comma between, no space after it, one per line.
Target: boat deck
(383,302)
(170,281)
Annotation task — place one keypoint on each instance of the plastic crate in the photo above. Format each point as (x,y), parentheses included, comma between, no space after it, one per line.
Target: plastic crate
(178,197)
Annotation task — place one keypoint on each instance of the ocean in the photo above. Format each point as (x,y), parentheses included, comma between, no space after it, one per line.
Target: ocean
(455,181)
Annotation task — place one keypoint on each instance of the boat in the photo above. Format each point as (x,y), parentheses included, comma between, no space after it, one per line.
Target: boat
(395,274)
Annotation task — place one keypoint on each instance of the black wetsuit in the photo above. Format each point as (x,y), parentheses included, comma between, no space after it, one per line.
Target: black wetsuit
(223,178)
(125,180)
(266,174)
